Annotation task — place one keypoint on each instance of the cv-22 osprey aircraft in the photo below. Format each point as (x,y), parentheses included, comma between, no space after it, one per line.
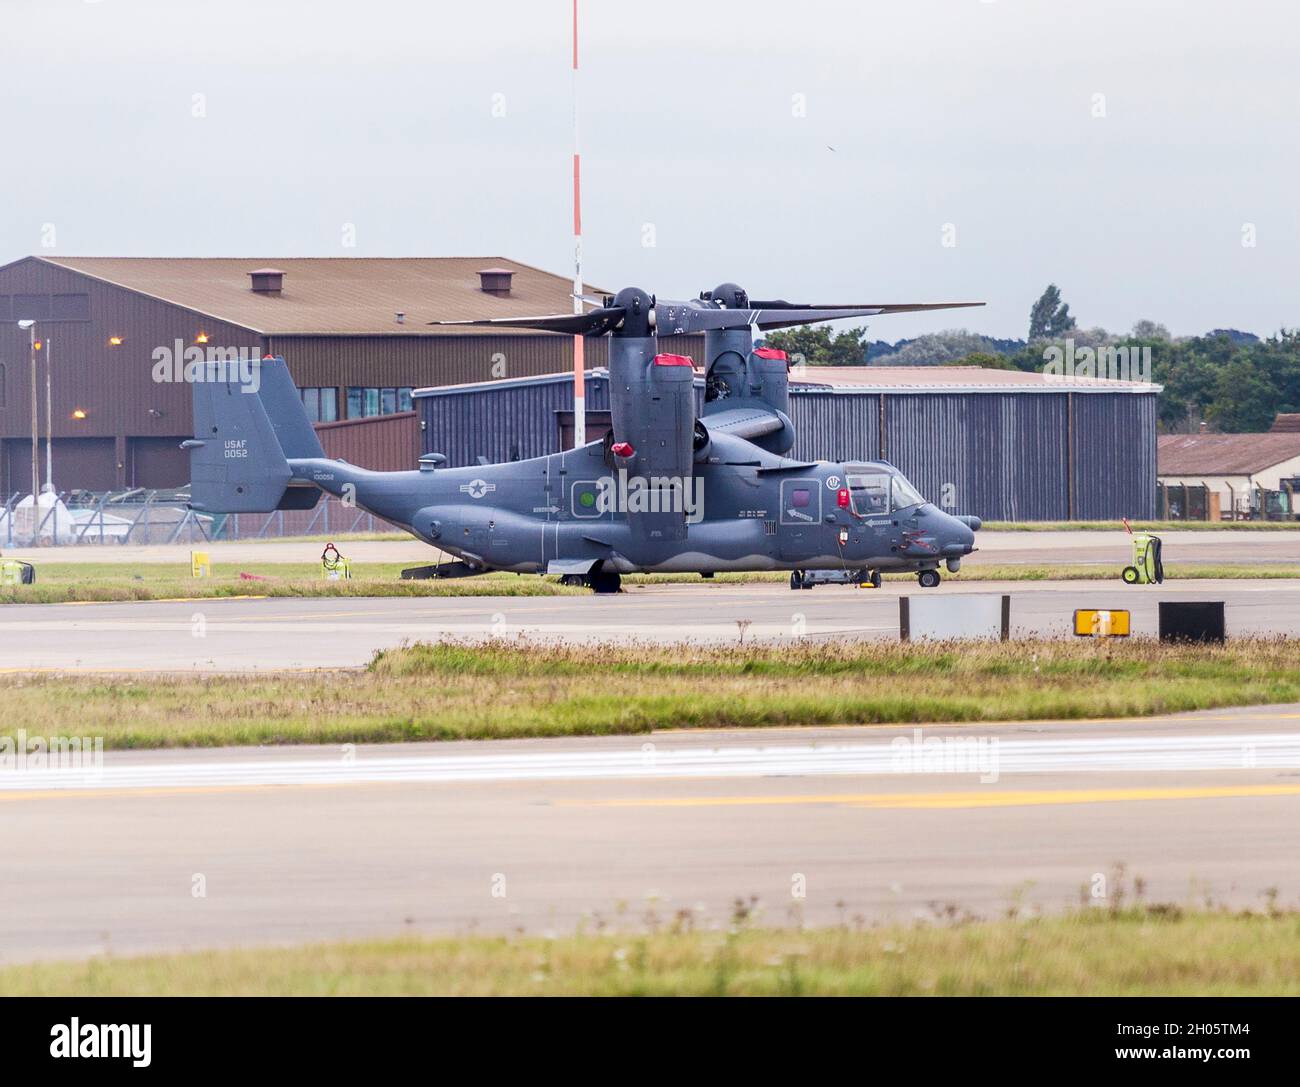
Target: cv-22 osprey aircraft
(669,489)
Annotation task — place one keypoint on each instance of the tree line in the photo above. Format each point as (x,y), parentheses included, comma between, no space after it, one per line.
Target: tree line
(1233,381)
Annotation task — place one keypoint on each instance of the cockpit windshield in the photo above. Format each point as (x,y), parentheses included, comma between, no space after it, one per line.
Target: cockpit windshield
(905,494)
(875,490)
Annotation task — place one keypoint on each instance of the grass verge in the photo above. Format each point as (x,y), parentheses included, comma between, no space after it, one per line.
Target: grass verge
(1141,526)
(1134,951)
(70,582)
(499,689)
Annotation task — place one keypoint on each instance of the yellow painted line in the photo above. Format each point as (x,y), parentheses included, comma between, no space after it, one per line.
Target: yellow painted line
(972,799)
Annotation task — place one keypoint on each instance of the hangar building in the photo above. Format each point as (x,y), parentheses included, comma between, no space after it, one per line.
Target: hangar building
(353,330)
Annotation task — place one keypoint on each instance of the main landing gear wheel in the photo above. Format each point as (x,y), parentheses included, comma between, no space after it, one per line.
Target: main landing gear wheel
(796,579)
(604,583)
(928,579)
(1130,575)
(875,579)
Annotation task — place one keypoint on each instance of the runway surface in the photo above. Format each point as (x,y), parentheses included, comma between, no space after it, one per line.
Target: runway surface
(288,633)
(291,845)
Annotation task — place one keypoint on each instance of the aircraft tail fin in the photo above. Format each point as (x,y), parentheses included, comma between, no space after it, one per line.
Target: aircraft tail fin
(248,422)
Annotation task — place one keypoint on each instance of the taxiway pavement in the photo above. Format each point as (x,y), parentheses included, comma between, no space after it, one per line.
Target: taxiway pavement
(232,635)
(168,850)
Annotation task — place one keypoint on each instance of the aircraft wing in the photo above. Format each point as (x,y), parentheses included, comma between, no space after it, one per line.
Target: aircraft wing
(743,422)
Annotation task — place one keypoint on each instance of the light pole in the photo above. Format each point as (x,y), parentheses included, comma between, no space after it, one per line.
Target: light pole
(579,375)
(49,434)
(30,328)
(49,412)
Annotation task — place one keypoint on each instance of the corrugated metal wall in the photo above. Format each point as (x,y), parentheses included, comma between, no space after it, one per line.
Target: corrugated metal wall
(509,422)
(831,426)
(1114,456)
(1000,456)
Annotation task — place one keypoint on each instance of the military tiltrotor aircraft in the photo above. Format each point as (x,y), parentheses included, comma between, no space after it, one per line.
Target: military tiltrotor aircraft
(669,489)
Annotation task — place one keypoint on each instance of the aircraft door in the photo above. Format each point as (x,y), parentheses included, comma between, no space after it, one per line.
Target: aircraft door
(800,529)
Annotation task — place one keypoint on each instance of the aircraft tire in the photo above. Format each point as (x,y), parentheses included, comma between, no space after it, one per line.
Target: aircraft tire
(928,579)
(796,580)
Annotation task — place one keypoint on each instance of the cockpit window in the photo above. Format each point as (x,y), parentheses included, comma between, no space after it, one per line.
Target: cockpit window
(878,492)
(905,494)
(870,493)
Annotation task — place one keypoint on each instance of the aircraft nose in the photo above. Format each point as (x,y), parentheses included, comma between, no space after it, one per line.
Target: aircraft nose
(959,537)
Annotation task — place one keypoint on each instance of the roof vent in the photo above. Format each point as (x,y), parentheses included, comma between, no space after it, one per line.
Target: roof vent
(267,280)
(495,280)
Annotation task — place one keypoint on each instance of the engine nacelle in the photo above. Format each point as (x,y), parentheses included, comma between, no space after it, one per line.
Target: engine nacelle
(652,408)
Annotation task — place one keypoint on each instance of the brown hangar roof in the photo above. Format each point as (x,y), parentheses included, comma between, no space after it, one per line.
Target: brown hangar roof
(1223,454)
(345,295)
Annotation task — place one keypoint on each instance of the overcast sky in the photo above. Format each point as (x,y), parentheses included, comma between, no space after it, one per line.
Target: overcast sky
(815,151)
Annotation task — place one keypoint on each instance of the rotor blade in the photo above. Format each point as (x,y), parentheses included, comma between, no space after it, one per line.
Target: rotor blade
(805,315)
(594,323)
(678,318)
(886,307)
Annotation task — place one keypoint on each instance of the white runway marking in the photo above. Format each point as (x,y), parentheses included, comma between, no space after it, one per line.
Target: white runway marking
(1271,751)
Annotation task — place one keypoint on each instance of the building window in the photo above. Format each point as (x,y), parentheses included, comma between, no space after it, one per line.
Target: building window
(321,404)
(31,307)
(45,307)
(364,401)
(70,307)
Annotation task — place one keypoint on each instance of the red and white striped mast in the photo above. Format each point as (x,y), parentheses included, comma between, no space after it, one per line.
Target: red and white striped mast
(579,378)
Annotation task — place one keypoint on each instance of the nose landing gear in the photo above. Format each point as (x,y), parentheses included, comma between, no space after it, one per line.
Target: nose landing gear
(928,579)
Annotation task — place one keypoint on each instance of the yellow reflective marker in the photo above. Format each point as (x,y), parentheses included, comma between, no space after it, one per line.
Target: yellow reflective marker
(200,564)
(1095,623)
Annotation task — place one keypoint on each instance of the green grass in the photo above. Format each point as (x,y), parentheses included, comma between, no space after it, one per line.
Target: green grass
(504,689)
(1129,951)
(978,572)
(69,582)
(1141,526)
(1174,572)
(72,582)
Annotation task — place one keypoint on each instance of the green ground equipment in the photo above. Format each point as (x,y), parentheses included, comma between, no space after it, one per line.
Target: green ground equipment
(13,572)
(1147,569)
